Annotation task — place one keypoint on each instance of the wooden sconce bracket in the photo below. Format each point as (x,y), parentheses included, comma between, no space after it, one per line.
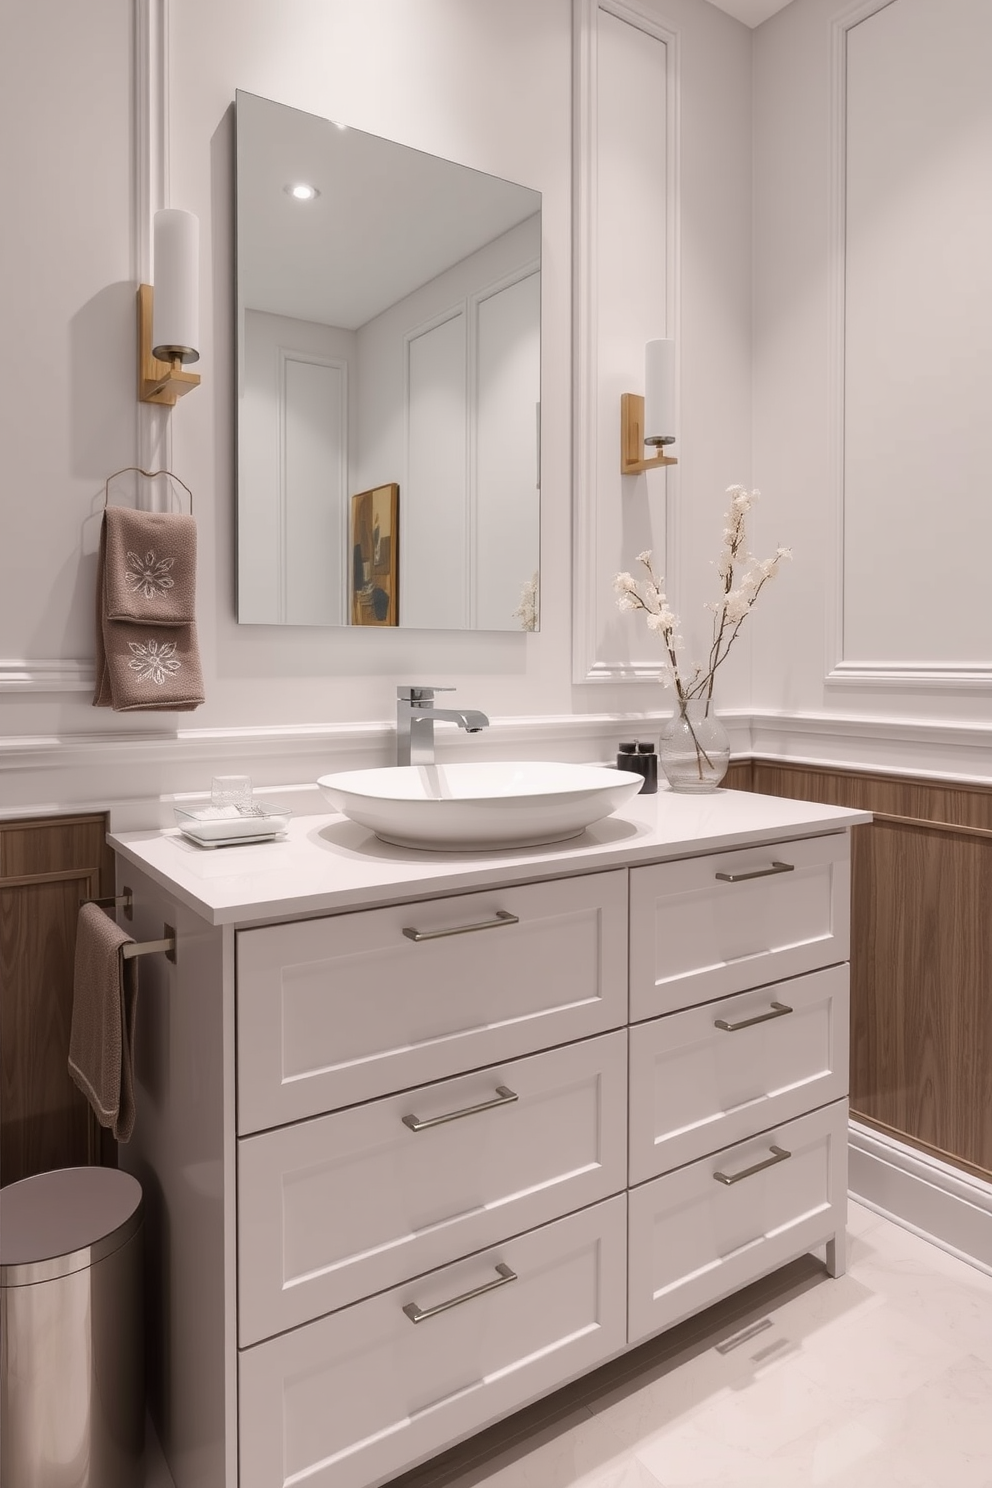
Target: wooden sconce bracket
(632,460)
(158,382)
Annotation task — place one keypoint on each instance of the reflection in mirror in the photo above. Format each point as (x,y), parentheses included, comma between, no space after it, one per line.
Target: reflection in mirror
(388,327)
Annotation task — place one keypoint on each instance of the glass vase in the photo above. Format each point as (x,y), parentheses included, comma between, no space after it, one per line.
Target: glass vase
(694,750)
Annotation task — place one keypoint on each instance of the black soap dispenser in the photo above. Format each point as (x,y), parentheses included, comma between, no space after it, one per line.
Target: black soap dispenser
(647,761)
(640,759)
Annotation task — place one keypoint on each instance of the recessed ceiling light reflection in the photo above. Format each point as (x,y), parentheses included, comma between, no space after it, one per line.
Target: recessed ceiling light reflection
(301,191)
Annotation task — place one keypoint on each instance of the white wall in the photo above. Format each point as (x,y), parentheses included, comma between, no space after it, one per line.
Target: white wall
(882,716)
(489,84)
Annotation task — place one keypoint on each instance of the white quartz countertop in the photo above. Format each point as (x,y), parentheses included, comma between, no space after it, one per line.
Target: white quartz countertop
(328,863)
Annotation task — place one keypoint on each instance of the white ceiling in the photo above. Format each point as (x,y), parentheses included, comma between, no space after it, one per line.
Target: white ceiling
(751,12)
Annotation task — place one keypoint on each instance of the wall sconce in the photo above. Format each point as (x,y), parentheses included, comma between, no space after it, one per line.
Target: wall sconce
(651,419)
(168,315)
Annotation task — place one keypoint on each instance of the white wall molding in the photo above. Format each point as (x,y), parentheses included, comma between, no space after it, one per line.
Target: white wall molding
(933,1199)
(834,628)
(954,752)
(46,675)
(584,336)
(127,770)
(150,192)
(138,775)
(964,675)
(588,665)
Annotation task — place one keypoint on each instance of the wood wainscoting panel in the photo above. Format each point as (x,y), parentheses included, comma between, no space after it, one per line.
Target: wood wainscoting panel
(738,776)
(46,867)
(921,955)
(39,848)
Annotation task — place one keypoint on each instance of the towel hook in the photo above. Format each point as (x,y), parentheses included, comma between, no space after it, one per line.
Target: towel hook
(150,474)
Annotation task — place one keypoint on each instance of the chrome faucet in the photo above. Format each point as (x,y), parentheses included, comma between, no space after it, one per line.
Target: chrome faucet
(415,719)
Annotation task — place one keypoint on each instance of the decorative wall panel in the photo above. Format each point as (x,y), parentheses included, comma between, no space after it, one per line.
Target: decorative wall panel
(913,136)
(625,237)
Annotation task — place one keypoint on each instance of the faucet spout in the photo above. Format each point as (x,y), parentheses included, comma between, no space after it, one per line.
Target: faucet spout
(415,719)
(470,719)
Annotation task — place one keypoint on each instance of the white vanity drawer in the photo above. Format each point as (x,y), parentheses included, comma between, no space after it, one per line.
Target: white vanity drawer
(345,1205)
(338,1010)
(695,1238)
(354,1398)
(710,926)
(721,1072)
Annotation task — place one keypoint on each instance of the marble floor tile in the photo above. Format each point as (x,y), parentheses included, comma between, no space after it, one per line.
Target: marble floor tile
(860,1218)
(585,1454)
(923,1282)
(938,1434)
(874,1355)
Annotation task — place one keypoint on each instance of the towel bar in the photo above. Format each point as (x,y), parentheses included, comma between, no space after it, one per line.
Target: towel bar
(123,901)
(147,947)
(134,948)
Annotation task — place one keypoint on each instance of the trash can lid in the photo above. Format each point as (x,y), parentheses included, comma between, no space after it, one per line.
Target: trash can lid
(55,1223)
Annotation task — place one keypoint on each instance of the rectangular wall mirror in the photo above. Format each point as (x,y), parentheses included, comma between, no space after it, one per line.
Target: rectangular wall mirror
(388,325)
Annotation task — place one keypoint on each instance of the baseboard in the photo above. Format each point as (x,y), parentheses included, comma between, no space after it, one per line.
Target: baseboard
(951,1208)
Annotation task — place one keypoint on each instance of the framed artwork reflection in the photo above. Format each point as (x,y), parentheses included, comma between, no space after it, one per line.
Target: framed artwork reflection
(375,556)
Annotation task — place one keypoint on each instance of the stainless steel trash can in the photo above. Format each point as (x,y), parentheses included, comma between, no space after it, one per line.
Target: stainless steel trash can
(72,1390)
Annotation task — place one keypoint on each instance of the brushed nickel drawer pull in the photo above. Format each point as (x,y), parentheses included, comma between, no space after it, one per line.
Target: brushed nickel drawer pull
(779,1154)
(421,1314)
(504,1097)
(503,917)
(779,1010)
(757,873)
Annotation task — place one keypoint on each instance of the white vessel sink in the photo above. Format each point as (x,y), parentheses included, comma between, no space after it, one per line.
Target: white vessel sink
(494,804)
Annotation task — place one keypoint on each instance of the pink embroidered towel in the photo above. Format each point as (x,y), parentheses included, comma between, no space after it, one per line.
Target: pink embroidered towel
(147,658)
(104,1002)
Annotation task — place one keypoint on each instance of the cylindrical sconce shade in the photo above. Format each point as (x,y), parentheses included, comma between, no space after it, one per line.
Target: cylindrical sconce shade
(176,314)
(659,392)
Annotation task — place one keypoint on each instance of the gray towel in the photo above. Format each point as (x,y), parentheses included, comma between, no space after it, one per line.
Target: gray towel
(104,1003)
(147,658)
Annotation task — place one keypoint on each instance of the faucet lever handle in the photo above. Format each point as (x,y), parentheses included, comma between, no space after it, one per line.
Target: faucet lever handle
(419,694)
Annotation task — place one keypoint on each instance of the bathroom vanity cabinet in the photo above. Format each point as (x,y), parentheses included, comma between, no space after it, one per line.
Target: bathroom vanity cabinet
(424,1137)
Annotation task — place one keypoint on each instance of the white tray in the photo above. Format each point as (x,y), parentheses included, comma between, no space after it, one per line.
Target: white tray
(242,841)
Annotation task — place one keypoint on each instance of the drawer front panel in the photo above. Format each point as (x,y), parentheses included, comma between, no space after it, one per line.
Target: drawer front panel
(694,1238)
(339,1010)
(334,1209)
(778,911)
(715,1074)
(356,1397)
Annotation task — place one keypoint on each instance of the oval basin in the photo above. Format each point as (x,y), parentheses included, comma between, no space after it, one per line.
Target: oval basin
(493,804)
